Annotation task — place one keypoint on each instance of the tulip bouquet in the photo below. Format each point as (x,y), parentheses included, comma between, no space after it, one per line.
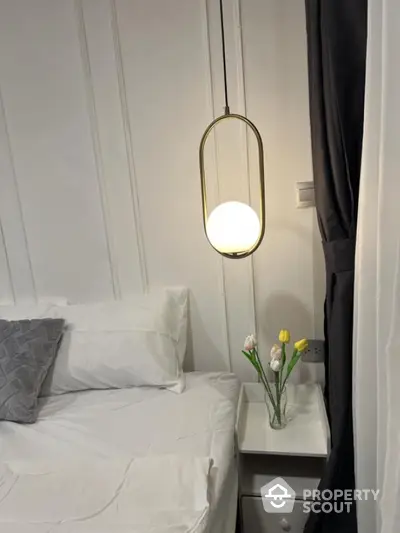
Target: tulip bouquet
(281,366)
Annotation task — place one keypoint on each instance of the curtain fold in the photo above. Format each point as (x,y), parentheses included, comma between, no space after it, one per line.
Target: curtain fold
(377,290)
(336,34)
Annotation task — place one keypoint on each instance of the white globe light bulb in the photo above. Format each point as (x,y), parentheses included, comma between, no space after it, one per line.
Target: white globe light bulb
(233,227)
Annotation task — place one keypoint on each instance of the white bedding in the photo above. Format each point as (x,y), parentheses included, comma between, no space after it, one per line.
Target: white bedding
(141,459)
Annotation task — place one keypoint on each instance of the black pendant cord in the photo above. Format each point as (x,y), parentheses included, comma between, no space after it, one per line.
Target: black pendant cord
(221,8)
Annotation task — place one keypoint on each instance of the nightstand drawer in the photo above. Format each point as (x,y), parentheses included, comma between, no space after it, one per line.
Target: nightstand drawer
(256,520)
(300,473)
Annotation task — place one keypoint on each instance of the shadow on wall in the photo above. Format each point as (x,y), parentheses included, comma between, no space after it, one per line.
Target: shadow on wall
(208,357)
(283,310)
(291,242)
(299,320)
(276,309)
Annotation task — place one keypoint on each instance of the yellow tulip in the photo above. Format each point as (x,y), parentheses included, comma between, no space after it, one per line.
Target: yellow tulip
(302,345)
(284,336)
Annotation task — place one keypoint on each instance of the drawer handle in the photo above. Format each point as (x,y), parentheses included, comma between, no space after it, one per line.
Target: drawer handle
(285,525)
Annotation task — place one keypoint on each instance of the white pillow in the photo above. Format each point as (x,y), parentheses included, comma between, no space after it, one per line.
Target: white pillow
(41,309)
(122,344)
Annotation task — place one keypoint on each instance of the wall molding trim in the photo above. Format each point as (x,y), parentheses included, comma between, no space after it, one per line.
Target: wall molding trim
(22,278)
(94,129)
(7,260)
(211,102)
(102,108)
(243,109)
(129,145)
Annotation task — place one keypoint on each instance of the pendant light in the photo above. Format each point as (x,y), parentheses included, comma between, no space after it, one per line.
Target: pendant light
(233,228)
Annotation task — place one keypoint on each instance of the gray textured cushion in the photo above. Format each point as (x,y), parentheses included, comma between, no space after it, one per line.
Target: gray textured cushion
(27,350)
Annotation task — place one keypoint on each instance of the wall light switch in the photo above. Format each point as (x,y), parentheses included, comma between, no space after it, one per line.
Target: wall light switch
(305,194)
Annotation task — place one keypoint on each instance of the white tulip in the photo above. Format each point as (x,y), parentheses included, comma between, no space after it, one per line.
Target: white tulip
(250,343)
(276,352)
(275,365)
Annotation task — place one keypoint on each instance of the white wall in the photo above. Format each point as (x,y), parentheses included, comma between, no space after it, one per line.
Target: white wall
(102,107)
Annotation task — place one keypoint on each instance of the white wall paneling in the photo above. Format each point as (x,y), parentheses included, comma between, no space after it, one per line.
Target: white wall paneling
(164,63)
(103,104)
(275,62)
(110,117)
(94,128)
(233,173)
(212,168)
(44,96)
(16,278)
(7,290)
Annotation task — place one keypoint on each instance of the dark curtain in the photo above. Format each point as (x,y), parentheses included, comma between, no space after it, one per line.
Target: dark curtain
(337,34)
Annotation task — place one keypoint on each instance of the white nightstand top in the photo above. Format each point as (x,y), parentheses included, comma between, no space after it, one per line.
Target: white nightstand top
(307,433)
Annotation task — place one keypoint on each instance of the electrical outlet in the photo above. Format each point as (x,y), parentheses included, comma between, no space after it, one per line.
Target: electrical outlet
(315,352)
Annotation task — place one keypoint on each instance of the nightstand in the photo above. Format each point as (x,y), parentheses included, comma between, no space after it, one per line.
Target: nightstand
(296,453)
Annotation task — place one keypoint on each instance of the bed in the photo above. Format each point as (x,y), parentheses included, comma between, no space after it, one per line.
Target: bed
(101,430)
(141,459)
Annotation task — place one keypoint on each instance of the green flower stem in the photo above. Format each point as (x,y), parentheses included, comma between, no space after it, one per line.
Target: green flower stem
(254,359)
(260,365)
(270,395)
(295,357)
(275,403)
(278,398)
(280,380)
(264,381)
(283,364)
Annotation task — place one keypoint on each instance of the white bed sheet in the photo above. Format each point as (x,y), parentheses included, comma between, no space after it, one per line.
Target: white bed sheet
(139,423)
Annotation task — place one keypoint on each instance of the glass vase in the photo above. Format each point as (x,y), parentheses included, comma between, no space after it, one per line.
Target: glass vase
(276,401)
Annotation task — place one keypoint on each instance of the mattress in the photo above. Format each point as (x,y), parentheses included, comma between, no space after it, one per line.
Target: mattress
(164,437)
